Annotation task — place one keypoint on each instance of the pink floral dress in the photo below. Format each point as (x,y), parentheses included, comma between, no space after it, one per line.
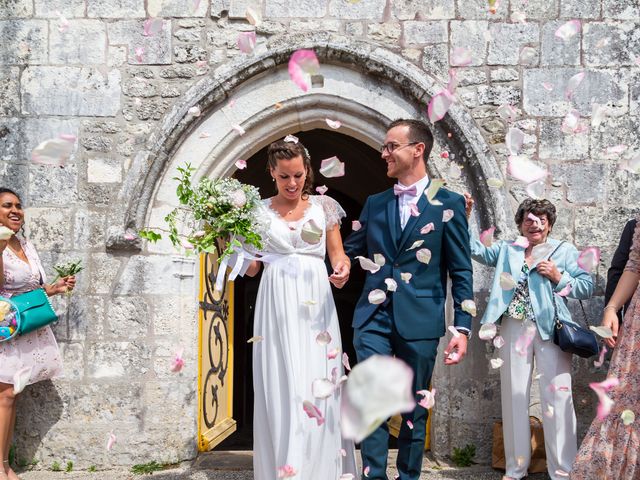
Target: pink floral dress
(37,349)
(611,449)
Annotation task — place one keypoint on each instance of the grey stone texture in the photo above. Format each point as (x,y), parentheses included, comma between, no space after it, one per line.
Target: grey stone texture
(134,306)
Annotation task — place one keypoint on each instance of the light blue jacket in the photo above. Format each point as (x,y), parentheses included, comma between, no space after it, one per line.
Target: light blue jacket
(509,258)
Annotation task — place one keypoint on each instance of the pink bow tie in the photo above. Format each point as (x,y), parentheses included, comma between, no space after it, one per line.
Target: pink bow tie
(400,190)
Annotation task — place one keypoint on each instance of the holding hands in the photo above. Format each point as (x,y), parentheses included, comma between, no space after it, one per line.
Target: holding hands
(456,349)
(340,273)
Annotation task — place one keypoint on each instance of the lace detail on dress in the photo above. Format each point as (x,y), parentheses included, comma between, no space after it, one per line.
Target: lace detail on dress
(333,212)
(633,263)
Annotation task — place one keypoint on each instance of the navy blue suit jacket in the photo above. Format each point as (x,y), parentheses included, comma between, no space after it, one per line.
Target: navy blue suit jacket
(418,306)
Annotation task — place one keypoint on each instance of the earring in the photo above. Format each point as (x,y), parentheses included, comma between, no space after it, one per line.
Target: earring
(273,179)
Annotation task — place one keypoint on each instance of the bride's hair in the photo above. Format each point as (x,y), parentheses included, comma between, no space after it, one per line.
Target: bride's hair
(281,150)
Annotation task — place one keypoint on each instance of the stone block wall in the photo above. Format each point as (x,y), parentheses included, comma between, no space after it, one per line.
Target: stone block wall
(85,67)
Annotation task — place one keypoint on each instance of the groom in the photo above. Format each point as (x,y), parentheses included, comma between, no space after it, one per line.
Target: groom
(404,227)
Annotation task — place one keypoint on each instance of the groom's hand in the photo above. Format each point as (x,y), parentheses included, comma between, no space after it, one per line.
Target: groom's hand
(340,274)
(456,350)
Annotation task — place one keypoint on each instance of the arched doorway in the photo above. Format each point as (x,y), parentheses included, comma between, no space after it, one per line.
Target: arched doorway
(365,174)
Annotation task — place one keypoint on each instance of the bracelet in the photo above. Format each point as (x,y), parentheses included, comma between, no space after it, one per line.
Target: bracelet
(612,306)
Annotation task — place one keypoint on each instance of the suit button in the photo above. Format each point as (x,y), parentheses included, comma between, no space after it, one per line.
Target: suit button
(396,265)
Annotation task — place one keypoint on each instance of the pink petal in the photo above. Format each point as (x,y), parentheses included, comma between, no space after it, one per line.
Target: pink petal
(335,124)
(453,81)
(54,152)
(566,290)
(313,412)
(368,265)
(152,26)
(604,402)
(444,155)
(461,57)
(447,215)
(21,378)
(255,339)
(410,424)
(429,399)
(356,225)
(454,356)
(494,182)
(598,363)
(332,167)
(366,471)
(507,113)
(524,340)
(178,362)
(286,471)
(536,220)
(439,105)
(302,64)
(521,242)
(246,41)
(547,86)
(573,83)
(568,30)
(138,52)
(602,331)
(615,151)
(589,258)
(406,277)
(111,441)
(561,473)
(322,189)
(498,341)
(333,353)
(392,285)
(205,135)
(429,227)
(496,363)
(523,169)
(345,361)
(514,140)
(241,164)
(323,338)
(64,23)
(413,209)
(241,131)
(424,255)
(486,237)
(291,139)
(631,165)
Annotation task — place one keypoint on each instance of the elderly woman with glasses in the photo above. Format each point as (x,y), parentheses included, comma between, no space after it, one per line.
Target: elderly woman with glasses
(530,273)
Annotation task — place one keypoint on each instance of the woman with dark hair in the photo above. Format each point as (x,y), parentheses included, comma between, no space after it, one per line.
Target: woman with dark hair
(297,365)
(22,272)
(530,273)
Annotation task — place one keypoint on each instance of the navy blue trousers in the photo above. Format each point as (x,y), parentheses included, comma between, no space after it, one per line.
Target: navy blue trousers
(378,336)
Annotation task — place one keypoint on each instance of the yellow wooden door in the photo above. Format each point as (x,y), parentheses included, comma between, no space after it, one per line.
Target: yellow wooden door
(215,355)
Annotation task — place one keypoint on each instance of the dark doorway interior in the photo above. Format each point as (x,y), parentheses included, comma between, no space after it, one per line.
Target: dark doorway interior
(365,174)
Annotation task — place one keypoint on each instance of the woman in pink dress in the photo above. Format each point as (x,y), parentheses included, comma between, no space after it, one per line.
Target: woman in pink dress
(611,448)
(21,272)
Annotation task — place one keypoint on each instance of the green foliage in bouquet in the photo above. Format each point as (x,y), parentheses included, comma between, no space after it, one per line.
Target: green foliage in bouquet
(212,209)
(67,269)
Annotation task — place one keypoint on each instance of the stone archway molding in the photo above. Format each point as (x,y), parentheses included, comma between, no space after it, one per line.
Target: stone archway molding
(407,86)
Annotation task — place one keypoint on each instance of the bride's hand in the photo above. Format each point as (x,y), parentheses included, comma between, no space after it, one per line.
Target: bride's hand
(340,274)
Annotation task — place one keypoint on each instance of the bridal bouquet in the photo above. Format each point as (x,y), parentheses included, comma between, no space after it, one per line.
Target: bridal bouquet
(215,209)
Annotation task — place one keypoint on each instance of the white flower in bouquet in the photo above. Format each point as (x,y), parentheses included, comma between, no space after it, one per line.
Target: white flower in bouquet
(238,198)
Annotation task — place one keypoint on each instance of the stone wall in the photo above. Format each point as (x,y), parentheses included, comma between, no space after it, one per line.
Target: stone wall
(133,308)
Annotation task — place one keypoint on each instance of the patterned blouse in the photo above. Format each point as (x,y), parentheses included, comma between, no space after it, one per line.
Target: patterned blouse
(520,307)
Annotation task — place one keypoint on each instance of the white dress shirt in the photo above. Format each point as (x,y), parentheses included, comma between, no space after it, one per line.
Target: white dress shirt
(404,201)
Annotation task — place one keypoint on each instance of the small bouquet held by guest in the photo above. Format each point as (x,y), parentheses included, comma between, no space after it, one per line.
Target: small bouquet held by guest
(212,211)
(9,320)
(68,269)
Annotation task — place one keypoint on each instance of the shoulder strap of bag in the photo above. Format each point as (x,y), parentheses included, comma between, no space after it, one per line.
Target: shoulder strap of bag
(554,294)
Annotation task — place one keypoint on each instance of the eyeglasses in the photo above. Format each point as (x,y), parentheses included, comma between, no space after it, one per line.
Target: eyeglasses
(392,147)
(528,221)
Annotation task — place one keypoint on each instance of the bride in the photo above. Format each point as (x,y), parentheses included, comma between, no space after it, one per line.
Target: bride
(296,433)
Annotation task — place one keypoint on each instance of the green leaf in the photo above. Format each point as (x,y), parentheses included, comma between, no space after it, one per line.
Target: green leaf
(149,235)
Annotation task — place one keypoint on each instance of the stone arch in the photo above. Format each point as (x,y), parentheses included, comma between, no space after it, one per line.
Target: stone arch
(396,88)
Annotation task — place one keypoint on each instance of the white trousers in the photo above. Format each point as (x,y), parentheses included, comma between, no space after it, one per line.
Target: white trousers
(559,418)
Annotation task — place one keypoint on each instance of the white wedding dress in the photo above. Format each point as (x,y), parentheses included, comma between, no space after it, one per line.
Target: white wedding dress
(294,305)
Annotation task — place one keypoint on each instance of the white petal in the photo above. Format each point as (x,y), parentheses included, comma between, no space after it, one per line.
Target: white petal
(21,379)
(423,255)
(392,285)
(488,331)
(368,265)
(498,341)
(322,388)
(377,296)
(447,215)
(506,281)
(406,277)
(496,363)
(311,232)
(323,338)
(469,306)
(379,259)
(332,167)
(415,245)
(603,332)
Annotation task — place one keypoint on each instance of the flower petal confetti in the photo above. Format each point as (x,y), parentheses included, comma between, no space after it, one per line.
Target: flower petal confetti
(345,361)
(413,210)
(392,285)
(311,232)
(322,189)
(521,168)
(495,182)
(356,225)
(598,363)
(488,331)
(178,362)
(548,86)
(527,56)
(253,17)
(376,389)
(63,24)
(536,189)
(524,340)
(410,424)
(486,237)
(313,412)
(291,139)
(368,265)
(241,164)
(432,190)
(461,57)
(286,471)
(138,53)
(151,26)
(379,259)
(604,401)
(194,111)
(21,379)
(332,167)
(366,471)
(255,339)
(335,124)
(429,398)
(568,30)
(447,215)
(498,341)
(322,388)
(333,353)
(496,363)
(514,140)
(507,113)
(602,332)
(377,296)
(323,338)
(506,281)
(439,105)
(566,290)
(415,245)
(111,441)
(589,258)
(237,128)
(429,227)
(469,306)
(628,417)
(454,172)
(246,42)
(406,277)
(302,64)
(54,152)
(5,233)
(423,255)
(573,84)
(521,242)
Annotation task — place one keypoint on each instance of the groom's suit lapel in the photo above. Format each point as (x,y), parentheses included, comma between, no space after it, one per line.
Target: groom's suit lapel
(393,219)
(423,205)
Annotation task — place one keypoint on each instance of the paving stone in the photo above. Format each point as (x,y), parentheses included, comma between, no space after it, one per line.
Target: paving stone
(23,42)
(556,51)
(84,42)
(157,48)
(364,9)
(296,8)
(507,41)
(115,9)
(70,91)
(471,35)
(9,91)
(424,32)
(611,44)
(423,9)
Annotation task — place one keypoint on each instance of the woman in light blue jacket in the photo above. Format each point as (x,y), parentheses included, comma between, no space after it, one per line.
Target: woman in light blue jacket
(530,274)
